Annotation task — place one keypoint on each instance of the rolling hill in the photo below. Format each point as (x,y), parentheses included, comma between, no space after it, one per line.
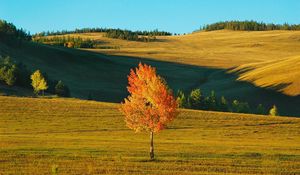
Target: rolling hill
(208,60)
(218,49)
(221,49)
(87,137)
(282,75)
(102,76)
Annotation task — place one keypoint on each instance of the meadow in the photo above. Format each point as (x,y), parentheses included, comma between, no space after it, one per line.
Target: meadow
(71,136)
(222,49)
(228,62)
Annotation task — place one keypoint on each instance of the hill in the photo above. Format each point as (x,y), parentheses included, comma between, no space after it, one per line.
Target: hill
(103,77)
(221,49)
(217,49)
(282,75)
(88,137)
(215,62)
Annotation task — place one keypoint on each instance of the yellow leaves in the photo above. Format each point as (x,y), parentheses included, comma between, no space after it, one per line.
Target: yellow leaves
(38,82)
(150,105)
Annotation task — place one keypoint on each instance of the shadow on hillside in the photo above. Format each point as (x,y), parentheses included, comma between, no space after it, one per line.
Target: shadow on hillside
(223,83)
(103,77)
(278,87)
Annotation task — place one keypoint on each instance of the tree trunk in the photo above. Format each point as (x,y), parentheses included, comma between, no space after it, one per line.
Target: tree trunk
(151,146)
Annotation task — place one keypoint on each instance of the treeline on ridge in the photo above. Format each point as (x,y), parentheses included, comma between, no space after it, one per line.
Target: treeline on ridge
(9,34)
(144,36)
(67,41)
(130,36)
(103,30)
(249,26)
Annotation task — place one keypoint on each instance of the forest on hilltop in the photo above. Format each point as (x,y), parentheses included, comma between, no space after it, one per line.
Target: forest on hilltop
(249,26)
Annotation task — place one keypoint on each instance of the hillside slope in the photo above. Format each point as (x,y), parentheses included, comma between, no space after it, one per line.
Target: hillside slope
(101,76)
(102,73)
(221,49)
(217,49)
(87,137)
(282,75)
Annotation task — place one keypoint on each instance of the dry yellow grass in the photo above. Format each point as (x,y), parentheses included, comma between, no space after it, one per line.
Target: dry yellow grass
(282,75)
(220,49)
(87,137)
(223,48)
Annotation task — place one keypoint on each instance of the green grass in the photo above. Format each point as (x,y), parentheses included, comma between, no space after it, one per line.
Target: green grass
(88,137)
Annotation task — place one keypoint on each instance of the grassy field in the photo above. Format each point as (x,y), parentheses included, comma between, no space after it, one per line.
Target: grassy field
(218,49)
(206,57)
(280,75)
(222,49)
(87,137)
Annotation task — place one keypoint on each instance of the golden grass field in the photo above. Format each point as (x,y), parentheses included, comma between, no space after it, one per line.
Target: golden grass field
(88,137)
(220,49)
(285,72)
(236,64)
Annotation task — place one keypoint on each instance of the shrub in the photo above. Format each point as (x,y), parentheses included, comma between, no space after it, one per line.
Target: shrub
(260,109)
(240,107)
(62,90)
(223,105)
(244,107)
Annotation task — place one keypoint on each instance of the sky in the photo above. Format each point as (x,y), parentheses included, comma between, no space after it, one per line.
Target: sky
(176,16)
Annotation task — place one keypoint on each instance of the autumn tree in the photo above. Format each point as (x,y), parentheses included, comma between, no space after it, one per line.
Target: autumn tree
(38,82)
(150,105)
(274,111)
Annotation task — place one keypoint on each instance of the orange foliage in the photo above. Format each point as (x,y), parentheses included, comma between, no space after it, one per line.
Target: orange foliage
(150,105)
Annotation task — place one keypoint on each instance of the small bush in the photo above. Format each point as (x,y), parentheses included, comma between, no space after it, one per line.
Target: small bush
(261,110)
(62,90)
(223,105)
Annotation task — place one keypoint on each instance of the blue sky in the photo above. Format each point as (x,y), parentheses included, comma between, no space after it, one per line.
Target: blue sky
(177,16)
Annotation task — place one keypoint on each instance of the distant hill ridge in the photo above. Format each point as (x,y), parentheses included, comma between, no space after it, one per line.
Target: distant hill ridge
(249,26)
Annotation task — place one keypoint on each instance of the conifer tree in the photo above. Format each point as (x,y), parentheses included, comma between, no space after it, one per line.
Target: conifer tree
(195,99)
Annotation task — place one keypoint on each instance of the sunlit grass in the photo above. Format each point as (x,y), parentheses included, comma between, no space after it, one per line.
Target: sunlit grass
(42,136)
(220,49)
